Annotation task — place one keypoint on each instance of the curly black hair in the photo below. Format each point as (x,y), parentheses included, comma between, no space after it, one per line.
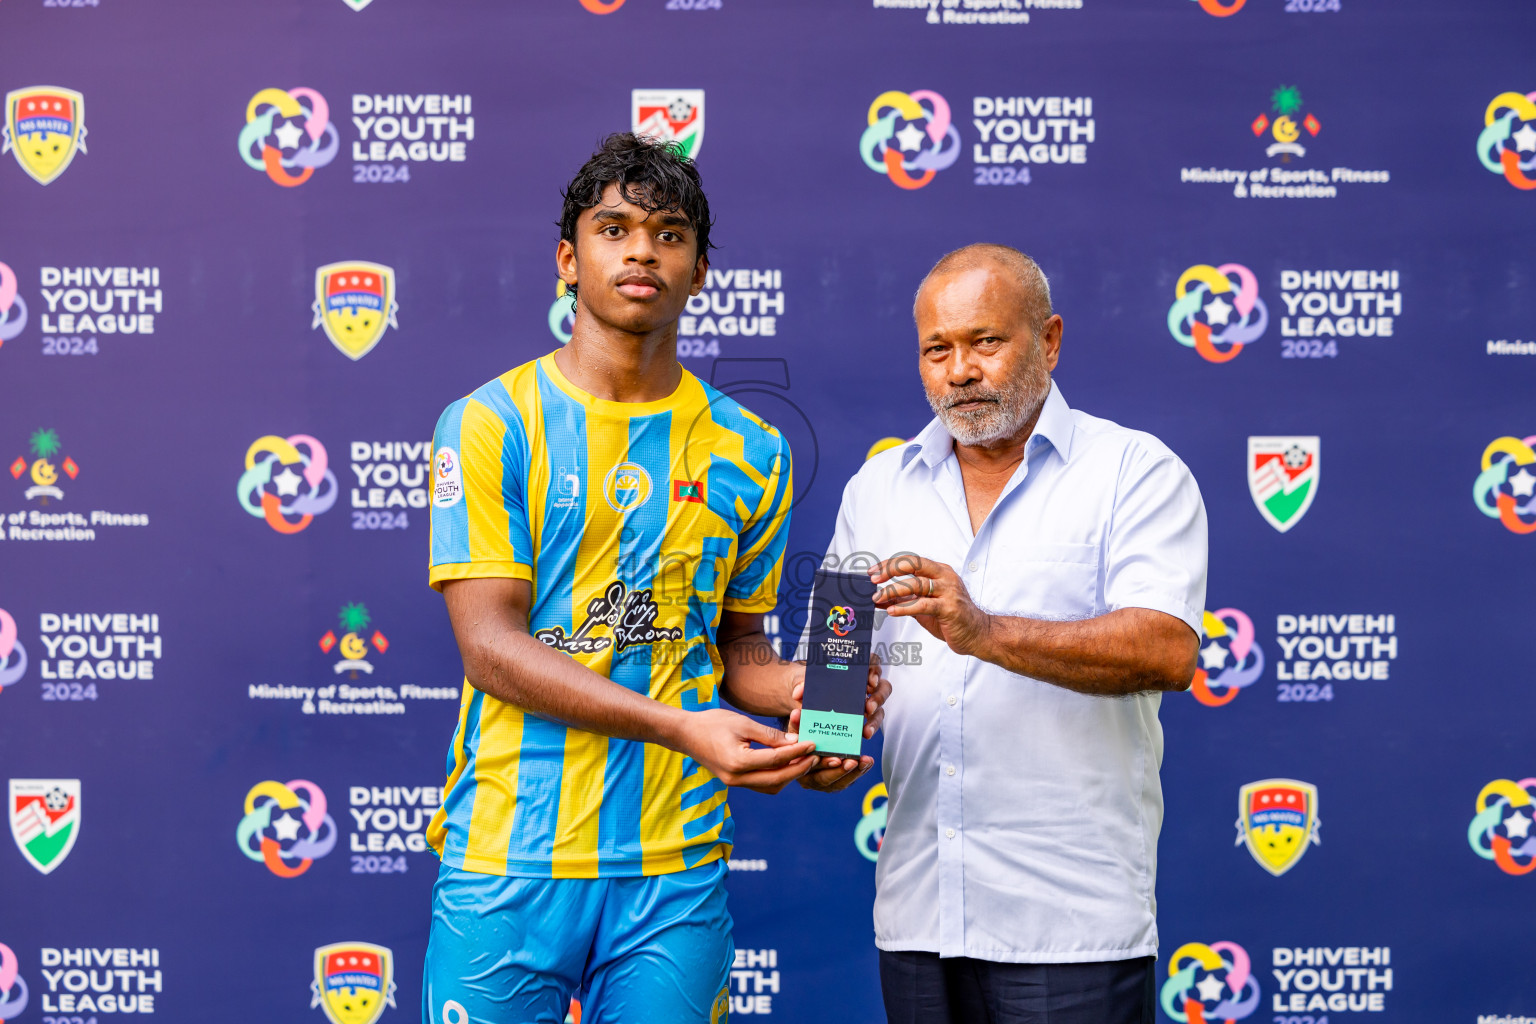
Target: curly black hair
(651,174)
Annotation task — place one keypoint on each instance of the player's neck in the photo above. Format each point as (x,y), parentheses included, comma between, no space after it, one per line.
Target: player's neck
(618,366)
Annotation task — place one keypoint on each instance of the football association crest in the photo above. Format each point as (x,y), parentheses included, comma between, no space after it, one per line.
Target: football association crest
(1282,477)
(675,116)
(44,127)
(1277,818)
(354,982)
(45,819)
(355,302)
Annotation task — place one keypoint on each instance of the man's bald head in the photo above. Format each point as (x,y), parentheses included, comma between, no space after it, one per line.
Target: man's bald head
(1014,266)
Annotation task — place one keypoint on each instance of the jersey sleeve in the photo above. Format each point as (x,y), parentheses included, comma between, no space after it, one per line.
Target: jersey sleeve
(754,587)
(479,504)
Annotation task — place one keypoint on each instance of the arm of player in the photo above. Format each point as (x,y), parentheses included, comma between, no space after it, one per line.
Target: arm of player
(761,683)
(501,659)
(1125,651)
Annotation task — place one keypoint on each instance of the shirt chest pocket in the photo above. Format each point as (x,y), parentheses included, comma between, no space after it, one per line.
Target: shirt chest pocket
(1042,580)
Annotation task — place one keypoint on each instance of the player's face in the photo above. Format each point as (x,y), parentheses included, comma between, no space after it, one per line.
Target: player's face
(984,369)
(634,268)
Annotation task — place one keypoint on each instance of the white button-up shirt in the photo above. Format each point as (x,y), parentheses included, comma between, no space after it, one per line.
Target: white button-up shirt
(1023,817)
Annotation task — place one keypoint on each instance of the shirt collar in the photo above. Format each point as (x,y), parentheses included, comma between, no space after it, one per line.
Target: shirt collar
(934,444)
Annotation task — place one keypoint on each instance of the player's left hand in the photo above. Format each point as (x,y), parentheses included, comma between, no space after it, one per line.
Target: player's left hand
(933,594)
(834,773)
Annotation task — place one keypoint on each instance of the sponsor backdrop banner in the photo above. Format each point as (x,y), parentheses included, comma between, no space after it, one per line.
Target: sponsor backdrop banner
(248,252)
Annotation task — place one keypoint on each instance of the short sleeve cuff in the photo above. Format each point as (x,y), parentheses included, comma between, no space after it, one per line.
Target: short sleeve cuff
(1158,602)
(478,570)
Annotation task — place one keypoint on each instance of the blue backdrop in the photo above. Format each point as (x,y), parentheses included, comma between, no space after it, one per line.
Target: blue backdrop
(1301,222)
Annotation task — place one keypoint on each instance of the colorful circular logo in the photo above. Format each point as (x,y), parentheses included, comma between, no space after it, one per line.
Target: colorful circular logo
(287,481)
(1218,9)
(13,308)
(841,620)
(286,826)
(1506,488)
(562,314)
(11,669)
(13,987)
(602,6)
(1229,659)
(1501,146)
(288,134)
(627,486)
(869,833)
(1210,983)
(909,133)
(1225,297)
(1501,831)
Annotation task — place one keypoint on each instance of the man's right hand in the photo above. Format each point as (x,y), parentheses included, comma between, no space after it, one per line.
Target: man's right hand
(722,741)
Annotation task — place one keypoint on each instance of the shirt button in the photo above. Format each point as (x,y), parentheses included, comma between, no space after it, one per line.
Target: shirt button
(949,769)
(952,700)
(949,833)
(971,567)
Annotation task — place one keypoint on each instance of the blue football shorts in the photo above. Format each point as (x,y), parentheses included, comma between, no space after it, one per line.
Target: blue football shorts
(647,950)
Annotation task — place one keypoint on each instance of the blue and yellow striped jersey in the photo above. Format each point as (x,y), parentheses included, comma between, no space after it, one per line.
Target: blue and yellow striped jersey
(637,523)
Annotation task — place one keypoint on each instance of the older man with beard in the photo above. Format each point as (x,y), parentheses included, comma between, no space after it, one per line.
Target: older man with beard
(1053,566)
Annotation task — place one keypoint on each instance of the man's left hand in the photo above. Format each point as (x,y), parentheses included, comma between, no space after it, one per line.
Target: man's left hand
(933,594)
(835,773)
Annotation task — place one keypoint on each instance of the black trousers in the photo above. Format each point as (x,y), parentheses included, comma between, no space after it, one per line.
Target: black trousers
(920,988)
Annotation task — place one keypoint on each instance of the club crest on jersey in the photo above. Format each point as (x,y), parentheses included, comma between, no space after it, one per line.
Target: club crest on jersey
(627,486)
(45,819)
(354,982)
(1283,477)
(1277,819)
(355,302)
(44,127)
(673,116)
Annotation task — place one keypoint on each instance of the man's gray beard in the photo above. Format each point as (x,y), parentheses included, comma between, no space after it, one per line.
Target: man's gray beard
(1014,404)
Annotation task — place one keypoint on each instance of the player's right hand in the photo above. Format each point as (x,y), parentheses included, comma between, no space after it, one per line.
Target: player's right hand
(722,741)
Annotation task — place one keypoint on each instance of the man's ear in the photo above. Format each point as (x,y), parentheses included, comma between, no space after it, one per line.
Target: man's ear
(1050,341)
(565,261)
(700,274)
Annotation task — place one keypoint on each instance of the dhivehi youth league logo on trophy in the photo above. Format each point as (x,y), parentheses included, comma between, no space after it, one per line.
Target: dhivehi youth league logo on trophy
(355,302)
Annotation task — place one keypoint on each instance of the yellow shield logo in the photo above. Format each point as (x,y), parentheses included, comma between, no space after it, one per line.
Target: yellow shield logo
(1278,821)
(44,127)
(355,302)
(354,982)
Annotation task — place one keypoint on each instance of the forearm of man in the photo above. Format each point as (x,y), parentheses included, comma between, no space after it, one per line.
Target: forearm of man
(502,660)
(756,680)
(1126,651)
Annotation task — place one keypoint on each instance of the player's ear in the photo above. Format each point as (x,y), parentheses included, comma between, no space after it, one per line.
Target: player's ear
(700,274)
(565,261)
